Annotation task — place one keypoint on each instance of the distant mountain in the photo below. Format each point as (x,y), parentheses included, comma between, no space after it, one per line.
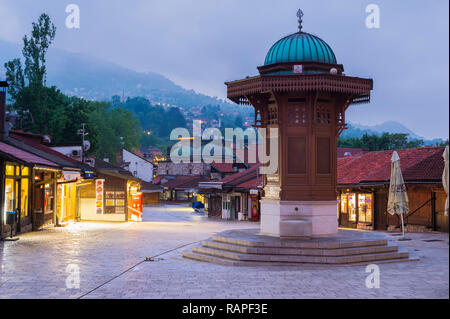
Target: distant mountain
(92,78)
(390,126)
(357,130)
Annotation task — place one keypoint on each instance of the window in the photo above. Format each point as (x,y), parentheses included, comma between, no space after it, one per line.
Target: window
(352,207)
(9,197)
(25,170)
(365,208)
(24,195)
(344,201)
(9,170)
(297,115)
(49,198)
(323,115)
(17,192)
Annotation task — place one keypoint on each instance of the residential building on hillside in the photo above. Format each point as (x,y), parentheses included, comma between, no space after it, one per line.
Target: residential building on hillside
(154,154)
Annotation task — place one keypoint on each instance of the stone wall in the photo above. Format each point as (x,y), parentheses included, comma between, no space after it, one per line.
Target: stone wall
(177,169)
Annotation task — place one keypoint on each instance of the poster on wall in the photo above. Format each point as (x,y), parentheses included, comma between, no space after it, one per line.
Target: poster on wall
(120,195)
(99,196)
(120,202)
(109,196)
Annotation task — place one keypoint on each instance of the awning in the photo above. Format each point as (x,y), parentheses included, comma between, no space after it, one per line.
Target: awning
(210,185)
(15,153)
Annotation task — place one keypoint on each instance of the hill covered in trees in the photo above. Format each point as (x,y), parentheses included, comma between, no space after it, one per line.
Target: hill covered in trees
(91,78)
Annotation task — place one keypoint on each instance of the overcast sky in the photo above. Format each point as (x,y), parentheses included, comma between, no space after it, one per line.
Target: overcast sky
(200,44)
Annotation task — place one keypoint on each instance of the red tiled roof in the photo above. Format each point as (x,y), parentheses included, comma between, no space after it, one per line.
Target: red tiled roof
(139,154)
(353,151)
(185,182)
(24,156)
(150,186)
(417,164)
(30,139)
(223,167)
(246,179)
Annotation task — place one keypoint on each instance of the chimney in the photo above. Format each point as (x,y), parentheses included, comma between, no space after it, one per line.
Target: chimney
(119,157)
(3,128)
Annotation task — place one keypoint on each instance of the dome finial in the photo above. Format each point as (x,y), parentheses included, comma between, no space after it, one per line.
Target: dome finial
(299,16)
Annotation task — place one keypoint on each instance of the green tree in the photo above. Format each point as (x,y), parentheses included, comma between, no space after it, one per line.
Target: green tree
(115,128)
(27,85)
(386,141)
(173,119)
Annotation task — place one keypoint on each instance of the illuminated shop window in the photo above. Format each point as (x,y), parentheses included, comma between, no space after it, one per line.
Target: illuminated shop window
(9,170)
(25,170)
(352,207)
(24,195)
(365,207)
(344,202)
(9,197)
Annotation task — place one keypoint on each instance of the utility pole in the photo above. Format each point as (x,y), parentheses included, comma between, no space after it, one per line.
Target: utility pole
(83,133)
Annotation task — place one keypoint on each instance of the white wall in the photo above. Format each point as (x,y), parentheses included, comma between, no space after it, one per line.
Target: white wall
(87,212)
(143,168)
(67,150)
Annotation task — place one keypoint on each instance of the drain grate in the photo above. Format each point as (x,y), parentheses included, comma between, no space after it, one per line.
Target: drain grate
(431,240)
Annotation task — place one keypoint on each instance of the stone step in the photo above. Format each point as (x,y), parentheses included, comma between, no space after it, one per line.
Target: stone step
(299,259)
(230,262)
(299,251)
(306,244)
(210,259)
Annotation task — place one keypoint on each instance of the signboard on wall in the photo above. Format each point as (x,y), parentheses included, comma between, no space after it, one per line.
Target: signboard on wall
(88,174)
(99,196)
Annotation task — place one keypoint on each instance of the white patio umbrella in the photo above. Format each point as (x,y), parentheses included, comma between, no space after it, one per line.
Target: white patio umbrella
(398,202)
(445,177)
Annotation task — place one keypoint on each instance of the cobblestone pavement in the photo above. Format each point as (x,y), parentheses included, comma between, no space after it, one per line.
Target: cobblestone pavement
(110,260)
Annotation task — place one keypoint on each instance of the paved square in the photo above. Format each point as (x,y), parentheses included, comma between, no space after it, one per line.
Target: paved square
(110,258)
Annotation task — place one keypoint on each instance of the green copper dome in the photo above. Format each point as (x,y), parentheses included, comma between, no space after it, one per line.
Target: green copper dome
(300,47)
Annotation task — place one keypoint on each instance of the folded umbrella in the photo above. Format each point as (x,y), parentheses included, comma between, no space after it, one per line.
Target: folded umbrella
(398,202)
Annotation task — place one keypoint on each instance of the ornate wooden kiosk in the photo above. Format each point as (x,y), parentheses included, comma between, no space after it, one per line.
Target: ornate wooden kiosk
(302,91)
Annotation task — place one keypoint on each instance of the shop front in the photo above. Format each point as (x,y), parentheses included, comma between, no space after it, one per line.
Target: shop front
(44,198)
(135,201)
(150,193)
(20,178)
(67,196)
(253,204)
(17,184)
(111,196)
(355,210)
